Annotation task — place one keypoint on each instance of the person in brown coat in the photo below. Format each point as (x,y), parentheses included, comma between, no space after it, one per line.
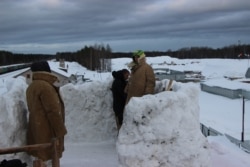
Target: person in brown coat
(142,78)
(46,111)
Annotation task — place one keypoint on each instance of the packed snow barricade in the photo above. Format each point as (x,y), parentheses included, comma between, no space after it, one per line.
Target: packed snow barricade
(89,114)
(13,115)
(158,130)
(163,130)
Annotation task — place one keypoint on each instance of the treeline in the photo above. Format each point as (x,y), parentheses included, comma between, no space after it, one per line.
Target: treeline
(229,52)
(98,57)
(8,58)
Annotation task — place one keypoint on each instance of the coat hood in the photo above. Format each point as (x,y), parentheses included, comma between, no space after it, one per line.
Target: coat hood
(133,65)
(141,59)
(40,66)
(118,75)
(46,76)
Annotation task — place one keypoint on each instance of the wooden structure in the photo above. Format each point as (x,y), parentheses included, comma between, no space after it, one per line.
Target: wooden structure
(179,76)
(62,79)
(38,162)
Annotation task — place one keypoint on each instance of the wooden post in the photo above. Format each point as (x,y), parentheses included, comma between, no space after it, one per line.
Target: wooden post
(169,85)
(38,163)
(55,159)
(243,119)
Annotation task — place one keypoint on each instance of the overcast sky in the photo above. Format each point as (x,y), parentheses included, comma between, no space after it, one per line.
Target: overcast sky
(50,26)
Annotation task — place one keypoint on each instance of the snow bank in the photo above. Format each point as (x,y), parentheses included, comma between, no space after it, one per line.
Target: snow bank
(158,130)
(163,130)
(13,115)
(89,112)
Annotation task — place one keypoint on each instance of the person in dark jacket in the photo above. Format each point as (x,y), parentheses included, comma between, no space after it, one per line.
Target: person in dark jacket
(119,95)
(46,111)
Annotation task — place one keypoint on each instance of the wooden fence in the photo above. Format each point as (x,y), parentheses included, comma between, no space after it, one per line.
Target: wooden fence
(38,162)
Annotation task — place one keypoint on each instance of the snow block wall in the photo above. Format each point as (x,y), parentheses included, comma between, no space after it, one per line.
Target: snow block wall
(158,130)
(88,111)
(13,115)
(163,130)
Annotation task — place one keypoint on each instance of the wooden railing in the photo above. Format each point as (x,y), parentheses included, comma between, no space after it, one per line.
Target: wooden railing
(38,162)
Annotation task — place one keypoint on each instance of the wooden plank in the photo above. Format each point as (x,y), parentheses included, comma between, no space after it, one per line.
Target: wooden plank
(168,88)
(24,148)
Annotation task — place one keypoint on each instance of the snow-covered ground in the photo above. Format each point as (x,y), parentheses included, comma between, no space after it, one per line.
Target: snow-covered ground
(92,139)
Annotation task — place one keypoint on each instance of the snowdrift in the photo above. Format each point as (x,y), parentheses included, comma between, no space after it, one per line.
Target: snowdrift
(159,130)
(163,130)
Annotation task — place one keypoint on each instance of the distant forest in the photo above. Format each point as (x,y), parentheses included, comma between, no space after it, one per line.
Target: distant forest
(98,57)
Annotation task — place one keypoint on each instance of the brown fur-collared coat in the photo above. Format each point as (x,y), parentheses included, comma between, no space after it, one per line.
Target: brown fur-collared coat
(141,81)
(46,114)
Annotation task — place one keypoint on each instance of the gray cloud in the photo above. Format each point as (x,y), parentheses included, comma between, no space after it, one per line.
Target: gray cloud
(50,26)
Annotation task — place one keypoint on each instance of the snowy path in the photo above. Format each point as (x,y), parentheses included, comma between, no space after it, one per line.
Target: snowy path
(104,154)
(90,155)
